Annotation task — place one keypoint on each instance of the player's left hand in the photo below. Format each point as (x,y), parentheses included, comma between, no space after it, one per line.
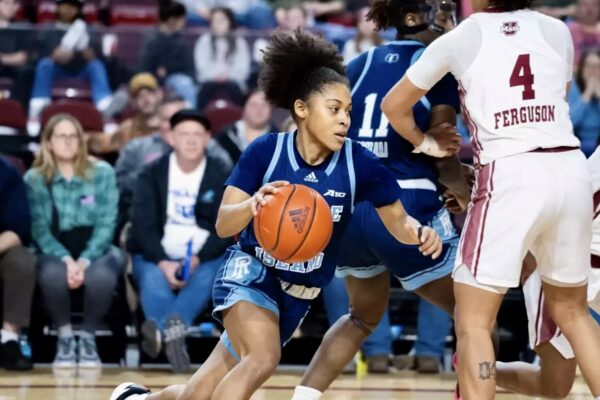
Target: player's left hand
(430,241)
(446,138)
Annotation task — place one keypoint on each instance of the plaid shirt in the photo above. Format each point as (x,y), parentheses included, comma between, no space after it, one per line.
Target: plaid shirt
(80,202)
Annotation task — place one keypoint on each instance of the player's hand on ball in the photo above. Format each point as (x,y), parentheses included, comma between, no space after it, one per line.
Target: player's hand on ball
(456,204)
(262,195)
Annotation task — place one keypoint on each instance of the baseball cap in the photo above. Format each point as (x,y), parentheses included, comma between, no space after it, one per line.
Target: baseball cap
(143,80)
(190,115)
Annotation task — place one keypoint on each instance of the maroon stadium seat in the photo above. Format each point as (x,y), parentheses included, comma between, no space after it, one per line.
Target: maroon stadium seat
(71,88)
(129,43)
(221,113)
(139,12)
(86,113)
(46,11)
(12,115)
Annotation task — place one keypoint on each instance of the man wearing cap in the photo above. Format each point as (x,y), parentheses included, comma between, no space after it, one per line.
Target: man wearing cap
(175,205)
(67,52)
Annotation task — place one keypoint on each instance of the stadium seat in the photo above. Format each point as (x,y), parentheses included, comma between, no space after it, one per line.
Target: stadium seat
(139,12)
(71,88)
(129,42)
(12,115)
(222,113)
(86,113)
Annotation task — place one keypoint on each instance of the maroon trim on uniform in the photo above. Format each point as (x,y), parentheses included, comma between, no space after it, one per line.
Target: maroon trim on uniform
(596,203)
(549,329)
(560,149)
(469,241)
(595,261)
(537,318)
(488,199)
(475,143)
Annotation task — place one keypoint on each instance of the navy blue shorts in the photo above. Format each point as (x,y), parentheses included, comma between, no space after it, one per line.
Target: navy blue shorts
(368,249)
(243,278)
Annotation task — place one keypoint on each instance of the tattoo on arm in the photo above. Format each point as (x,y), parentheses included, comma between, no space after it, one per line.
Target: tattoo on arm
(487,370)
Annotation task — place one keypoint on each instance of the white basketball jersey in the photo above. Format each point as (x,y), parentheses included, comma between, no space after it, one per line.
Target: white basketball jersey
(514,91)
(594,163)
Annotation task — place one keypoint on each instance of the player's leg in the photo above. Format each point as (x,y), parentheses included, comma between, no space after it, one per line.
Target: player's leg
(568,306)
(474,324)
(254,335)
(439,293)
(553,378)
(368,301)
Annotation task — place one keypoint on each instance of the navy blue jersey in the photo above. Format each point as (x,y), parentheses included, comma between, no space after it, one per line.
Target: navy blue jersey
(345,178)
(372,75)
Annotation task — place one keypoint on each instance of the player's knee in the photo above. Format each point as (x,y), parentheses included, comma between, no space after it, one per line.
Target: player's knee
(366,325)
(472,326)
(263,364)
(557,390)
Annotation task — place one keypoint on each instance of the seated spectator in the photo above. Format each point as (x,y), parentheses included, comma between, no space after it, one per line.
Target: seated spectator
(255,122)
(146,96)
(584,101)
(15,48)
(143,150)
(222,59)
(174,210)
(366,37)
(17,267)
(165,53)
(253,14)
(67,53)
(73,202)
(585,27)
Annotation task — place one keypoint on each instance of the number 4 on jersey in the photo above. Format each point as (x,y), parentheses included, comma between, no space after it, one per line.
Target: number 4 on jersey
(522,76)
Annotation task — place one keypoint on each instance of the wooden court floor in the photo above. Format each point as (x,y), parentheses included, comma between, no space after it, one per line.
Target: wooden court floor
(43,384)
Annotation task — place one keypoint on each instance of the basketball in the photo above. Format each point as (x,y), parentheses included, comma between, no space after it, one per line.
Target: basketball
(295,225)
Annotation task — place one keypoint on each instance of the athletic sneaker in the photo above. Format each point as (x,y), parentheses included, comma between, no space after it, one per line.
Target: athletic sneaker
(13,358)
(88,354)
(130,391)
(66,353)
(152,338)
(175,348)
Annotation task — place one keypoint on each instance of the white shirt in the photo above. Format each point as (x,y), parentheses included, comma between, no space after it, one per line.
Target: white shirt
(493,55)
(181,226)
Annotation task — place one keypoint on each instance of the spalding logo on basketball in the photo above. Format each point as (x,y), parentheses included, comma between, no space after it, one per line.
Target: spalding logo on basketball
(295,225)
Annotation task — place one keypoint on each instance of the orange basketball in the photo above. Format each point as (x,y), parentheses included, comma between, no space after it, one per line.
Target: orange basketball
(295,225)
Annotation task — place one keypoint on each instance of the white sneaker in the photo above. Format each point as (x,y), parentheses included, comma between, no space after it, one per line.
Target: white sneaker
(130,391)
(66,355)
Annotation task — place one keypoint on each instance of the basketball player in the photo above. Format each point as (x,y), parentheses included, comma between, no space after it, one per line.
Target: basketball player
(368,250)
(555,375)
(533,189)
(260,300)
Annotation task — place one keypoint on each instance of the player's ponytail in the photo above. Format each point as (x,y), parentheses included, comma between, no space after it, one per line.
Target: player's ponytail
(296,64)
(379,13)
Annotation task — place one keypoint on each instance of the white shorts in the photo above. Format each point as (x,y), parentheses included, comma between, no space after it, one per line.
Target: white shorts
(542,328)
(536,201)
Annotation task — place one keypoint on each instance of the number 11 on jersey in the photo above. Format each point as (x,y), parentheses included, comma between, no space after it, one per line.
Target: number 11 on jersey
(366,130)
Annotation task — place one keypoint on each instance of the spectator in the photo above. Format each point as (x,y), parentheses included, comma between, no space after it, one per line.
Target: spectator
(556,8)
(73,202)
(256,121)
(174,210)
(17,267)
(585,28)
(366,37)
(165,53)
(254,14)
(67,53)
(584,98)
(222,59)
(146,96)
(15,45)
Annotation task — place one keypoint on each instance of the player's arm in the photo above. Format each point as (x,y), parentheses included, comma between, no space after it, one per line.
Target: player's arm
(238,208)
(450,170)
(407,230)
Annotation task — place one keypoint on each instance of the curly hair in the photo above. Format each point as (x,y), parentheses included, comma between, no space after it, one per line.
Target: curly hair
(296,64)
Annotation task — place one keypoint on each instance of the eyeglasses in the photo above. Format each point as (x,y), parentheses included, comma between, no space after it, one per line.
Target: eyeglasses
(65,138)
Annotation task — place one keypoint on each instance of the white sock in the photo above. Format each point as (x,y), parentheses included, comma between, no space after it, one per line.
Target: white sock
(8,336)
(36,105)
(65,331)
(306,393)
(104,103)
